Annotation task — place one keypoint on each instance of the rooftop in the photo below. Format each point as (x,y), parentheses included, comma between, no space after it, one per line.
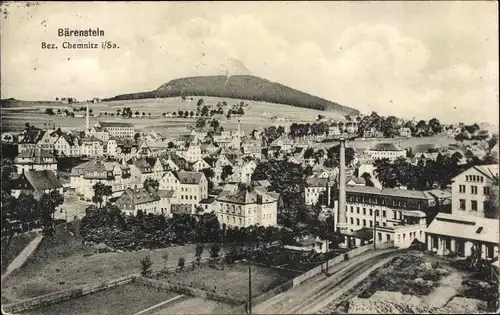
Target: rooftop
(390,192)
(385,147)
(465,226)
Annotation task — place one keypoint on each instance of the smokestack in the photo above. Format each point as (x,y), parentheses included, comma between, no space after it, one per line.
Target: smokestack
(239,128)
(341,223)
(87,119)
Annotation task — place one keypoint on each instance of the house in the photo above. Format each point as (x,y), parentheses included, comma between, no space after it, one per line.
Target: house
(126,148)
(315,186)
(99,133)
(36,183)
(111,147)
(201,164)
(252,148)
(190,187)
(117,129)
(192,153)
(92,147)
(29,138)
(154,137)
(284,143)
(143,150)
(247,206)
(385,150)
(67,145)
(463,234)
(84,176)
(405,132)
(35,160)
(400,215)
(356,181)
(471,188)
(48,139)
(208,204)
(246,171)
(145,200)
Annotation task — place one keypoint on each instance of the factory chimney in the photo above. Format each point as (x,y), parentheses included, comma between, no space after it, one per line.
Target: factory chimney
(341,222)
(87,125)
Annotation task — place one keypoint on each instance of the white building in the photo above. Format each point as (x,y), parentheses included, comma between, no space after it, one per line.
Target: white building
(35,160)
(148,201)
(472,188)
(315,186)
(36,182)
(92,147)
(116,129)
(247,206)
(189,187)
(385,150)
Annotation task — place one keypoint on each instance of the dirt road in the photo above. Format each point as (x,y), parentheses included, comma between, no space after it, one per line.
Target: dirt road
(315,294)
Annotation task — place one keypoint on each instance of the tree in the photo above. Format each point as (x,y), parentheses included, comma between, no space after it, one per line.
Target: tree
(198,253)
(153,183)
(100,192)
(435,126)
(240,111)
(137,136)
(214,250)
(149,114)
(191,113)
(47,207)
(49,111)
(7,168)
(200,123)
(143,114)
(186,114)
(183,97)
(201,102)
(227,171)
(170,145)
(368,179)
(308,153)
(72,114)
(181,263)
(165,259)
(136,113)
(146,266)
(214,124)
(204,111)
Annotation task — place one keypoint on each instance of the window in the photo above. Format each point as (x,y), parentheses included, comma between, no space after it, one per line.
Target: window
(462,204)
(364,222)
(473,190)
(352,221)
(364,211)
(461,189)
(383,213)
(371,211)
(384,224)
(352,209)
(473,205)
(357,210)
(357,221)
(371,223)
(486,190)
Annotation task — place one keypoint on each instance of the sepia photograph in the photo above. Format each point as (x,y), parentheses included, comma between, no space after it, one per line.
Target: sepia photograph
(248,157)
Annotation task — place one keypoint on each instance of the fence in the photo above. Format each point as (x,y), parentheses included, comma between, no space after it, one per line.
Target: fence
(61,296)
(190,291)
(336,260)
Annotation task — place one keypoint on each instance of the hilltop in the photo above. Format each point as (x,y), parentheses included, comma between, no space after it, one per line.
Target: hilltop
(245,87)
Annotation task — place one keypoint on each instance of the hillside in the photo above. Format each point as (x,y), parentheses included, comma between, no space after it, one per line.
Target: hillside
(240,87)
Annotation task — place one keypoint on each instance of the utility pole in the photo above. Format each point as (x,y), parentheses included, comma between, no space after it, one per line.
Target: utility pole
(375,229)
(250,283)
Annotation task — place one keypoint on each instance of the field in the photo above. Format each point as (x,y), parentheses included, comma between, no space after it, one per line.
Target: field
(233,279)
(62,262)
(125,299)
(14,119)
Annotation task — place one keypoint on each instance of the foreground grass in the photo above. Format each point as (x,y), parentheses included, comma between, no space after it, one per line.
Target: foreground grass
(125,299)
(62,262)
(232,280)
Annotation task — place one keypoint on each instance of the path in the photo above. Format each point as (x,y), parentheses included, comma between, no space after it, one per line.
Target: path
(447,289)
(22,257)
(318,292)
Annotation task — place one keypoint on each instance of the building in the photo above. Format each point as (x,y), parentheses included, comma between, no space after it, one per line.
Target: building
(92,147)
(208,204)
(400,215)
(146,200)
(35,160)
(189,187)
(315,186)
(67,146)
(36,183)
(83,177)
(246,171)
(462,234)
(385,150)
(472,188)
(192,153)
(284,143)
(116,129)
(29,138)
(247,206)
(405,132)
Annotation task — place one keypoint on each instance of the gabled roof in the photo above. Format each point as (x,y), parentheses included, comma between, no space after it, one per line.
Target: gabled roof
(191,178)
(141,195)
(32,135)
(490,171)
(316,182)
(91,139)
(243,196)
(465,226)
(390,192)
(43,180)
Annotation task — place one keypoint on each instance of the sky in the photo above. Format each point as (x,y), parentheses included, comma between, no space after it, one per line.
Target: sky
(409,59)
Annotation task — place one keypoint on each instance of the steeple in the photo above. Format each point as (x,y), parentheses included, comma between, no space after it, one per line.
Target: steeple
(87,120)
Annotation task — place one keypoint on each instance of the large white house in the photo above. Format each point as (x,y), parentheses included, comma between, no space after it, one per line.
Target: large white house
(385,150)
(189,187)
(243,207)
(115,129)
(35,160)
(146,200)
(472,188)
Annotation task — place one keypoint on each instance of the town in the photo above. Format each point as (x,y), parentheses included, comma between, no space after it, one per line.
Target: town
(307,189)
